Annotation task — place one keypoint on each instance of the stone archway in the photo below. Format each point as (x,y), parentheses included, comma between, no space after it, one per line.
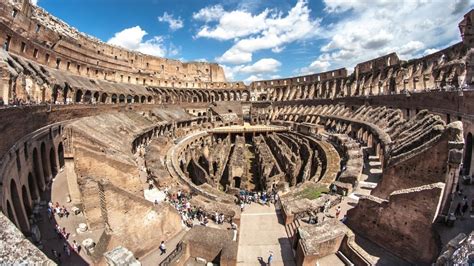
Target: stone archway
(44,161)
(26,201)
(103,98)
(10,214)
(37,171)
(78,98)
(87,97)
(18,208)
(52,161)
(61,155)
(33,188)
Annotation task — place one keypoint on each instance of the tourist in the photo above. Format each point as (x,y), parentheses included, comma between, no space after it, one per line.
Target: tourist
(50,213)
(56,255)
(66,248)
(242,206)
(457,211)
(65,212)
(338,211)
(270,258)
(58,231)
(162,248)
(205,221)
(465,206)
(464,200)
(75,246)
(327,205)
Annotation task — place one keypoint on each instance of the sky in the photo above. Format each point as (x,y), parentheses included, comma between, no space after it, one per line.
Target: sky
(267,39)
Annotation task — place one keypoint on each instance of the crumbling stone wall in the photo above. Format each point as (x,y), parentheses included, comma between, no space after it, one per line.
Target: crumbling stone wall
(402,222)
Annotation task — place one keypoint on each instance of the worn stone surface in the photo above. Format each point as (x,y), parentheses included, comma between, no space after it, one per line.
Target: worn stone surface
(16,249)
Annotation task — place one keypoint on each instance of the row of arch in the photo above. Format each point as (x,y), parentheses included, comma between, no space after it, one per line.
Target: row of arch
(69,95)
(156,95)
(168,95)
(41,165)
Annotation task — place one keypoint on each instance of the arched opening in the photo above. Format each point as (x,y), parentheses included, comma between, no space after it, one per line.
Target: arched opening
(33,187)
(150,99)
(129,98)
(37,172)
(143,99)
(87,97)
(26,201)
(136,99)
(114,98)
(96,96)
(61,155)
(121,98)
(78,96)
(237,181)
(467,154)
(18,208)
(55,93)
(66,93)
(44,160)
(103,98)
(52,161)
(10,214)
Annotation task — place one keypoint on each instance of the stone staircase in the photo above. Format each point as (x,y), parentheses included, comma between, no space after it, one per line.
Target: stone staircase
(291,229)
(370,177)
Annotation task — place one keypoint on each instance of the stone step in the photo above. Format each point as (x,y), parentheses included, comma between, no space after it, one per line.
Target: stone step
(374,157)
(354,197)
(375,164)
(369,185)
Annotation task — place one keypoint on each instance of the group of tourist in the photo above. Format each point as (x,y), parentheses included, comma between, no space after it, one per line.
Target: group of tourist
(462,207)
(181,202)
(56,210)
(248,197)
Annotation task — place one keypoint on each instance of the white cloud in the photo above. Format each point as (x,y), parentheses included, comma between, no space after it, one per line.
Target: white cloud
(34,2)
(231,25)
(265,65)
(175,23)
(210,13)
(253,78)
(235,57)
(458,6)
(369,29)
(316,66)
(269,29)
(132,39)
(430,51)
(411,47)
(339,6)
(259,69)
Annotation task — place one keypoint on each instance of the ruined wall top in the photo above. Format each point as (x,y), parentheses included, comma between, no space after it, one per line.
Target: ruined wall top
(467,30)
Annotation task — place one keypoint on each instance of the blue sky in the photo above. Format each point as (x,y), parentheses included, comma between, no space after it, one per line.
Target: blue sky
(256,39)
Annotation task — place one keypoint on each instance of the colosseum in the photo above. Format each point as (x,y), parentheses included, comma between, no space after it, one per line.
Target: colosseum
(114,157)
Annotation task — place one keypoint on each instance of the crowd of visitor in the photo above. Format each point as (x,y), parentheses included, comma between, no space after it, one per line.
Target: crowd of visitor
(57,211)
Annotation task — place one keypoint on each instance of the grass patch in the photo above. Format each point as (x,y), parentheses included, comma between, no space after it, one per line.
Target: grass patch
(312,193)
